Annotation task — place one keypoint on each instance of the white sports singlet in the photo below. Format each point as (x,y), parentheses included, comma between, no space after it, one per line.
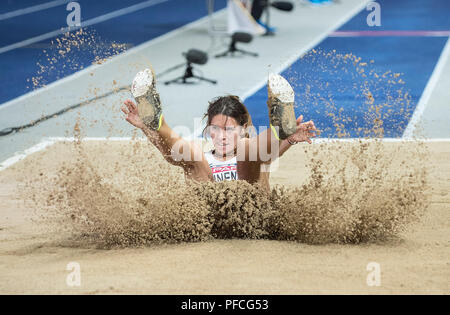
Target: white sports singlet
(222,170)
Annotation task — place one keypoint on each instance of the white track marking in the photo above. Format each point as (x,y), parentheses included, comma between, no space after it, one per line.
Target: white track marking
(47,142)
(385,140)
(99,19)
(18,157)
(35,8)
(423,102)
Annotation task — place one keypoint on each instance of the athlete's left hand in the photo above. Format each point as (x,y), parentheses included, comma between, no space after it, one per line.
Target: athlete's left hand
(305,131)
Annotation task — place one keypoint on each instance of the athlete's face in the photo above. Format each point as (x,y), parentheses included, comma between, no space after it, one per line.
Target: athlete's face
(225,132)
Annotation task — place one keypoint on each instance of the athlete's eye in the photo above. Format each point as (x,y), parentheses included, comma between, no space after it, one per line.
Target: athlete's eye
(214,129)
(230,129)
(227,130)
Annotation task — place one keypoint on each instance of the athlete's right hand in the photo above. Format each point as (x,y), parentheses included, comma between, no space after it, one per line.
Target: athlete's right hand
(132,114)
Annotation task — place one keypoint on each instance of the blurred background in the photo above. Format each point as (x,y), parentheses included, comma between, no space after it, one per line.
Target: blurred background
(359,68)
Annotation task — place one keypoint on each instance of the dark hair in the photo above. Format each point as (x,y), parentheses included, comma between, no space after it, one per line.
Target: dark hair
(231,106)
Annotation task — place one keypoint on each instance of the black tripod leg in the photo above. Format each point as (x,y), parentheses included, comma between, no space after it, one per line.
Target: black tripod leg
(222,54)
(173,81)
(205,79)
(247,52)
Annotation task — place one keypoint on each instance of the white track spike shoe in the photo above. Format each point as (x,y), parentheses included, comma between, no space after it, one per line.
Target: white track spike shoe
(281,107)
(147,98)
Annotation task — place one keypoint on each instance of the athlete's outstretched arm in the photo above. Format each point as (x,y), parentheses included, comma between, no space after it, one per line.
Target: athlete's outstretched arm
(267,146)
(262,148)
(174,149)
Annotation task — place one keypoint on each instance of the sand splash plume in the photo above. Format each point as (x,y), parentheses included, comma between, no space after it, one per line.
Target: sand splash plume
(355,193)
(72,52)
(359,191)
(347,96)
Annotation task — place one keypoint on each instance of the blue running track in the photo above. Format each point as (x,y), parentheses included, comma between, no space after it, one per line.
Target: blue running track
(334,92)
(19,65)
(351,79)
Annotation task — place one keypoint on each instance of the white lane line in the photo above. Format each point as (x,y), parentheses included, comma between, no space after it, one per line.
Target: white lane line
(423,102)
(318,140)
(305,49)
(47,142)
(18,157)
(35,8)
(99,19)
(384,140)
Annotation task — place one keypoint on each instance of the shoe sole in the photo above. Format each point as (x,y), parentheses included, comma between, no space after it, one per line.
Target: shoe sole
(147,98)
(281,107)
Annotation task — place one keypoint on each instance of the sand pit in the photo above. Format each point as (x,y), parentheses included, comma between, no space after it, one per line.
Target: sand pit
(190,247)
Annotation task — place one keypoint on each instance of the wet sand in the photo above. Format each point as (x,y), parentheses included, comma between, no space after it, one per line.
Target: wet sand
(34,257)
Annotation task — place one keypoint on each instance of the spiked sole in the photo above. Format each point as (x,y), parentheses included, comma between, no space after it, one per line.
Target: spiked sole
(147,98)
(281,107)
